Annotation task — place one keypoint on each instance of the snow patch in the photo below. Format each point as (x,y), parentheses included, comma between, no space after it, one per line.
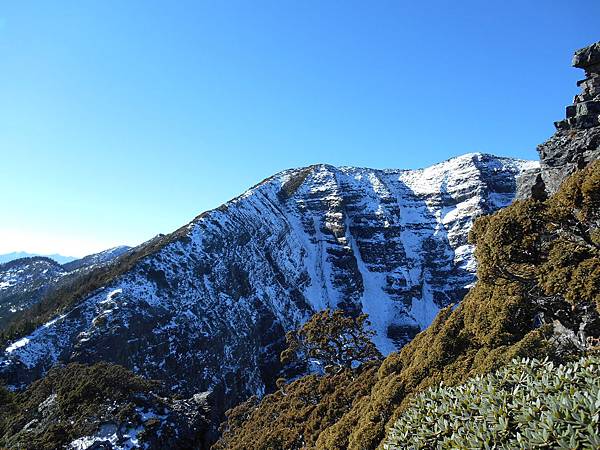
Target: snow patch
(18,344)
(108,433)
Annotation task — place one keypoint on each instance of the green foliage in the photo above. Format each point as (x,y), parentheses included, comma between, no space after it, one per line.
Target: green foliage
(7,407)
(571,267)
(538,262)
(77,398)
(508,244)
(332,340)
(293,417)
(526,404)
(551,246)
(517,250)
(454,348)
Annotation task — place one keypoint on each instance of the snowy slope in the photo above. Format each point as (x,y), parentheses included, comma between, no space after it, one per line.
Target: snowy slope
(96,259)
(24,281)
(209,309)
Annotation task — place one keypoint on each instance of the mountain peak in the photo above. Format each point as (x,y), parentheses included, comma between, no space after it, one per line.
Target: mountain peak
(216,297)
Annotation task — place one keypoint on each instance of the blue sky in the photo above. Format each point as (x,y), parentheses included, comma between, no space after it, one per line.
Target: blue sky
(123,119)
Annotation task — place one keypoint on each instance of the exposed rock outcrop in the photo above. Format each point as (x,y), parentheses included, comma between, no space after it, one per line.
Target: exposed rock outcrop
(207,310)
(577,140)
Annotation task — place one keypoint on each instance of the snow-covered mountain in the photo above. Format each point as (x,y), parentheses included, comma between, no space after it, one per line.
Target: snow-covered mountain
(24,281)
(96,259)
(206,308)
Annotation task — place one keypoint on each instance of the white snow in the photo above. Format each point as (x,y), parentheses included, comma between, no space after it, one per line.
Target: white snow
(128,440)
(17,344)
(110,295)
(423,310)
(375,304)
(289,248)
(53,321)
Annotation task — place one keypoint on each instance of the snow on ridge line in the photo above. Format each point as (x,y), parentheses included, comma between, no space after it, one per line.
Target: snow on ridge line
(525,163)
(278,180)
(315,206)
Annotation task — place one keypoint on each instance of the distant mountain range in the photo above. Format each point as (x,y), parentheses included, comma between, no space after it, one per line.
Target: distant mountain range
(61,259)
(206,308)
(25,280)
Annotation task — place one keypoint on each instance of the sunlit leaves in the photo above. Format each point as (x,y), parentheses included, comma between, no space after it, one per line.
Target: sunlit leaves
(529,403)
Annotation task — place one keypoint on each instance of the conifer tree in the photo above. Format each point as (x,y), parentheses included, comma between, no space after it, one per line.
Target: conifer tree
(332,340)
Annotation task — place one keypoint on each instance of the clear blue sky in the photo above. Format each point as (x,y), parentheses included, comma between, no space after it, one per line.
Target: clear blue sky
(123,119)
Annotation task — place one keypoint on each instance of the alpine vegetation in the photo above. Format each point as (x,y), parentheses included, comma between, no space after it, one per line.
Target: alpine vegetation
(331,341)
(513,311)
(208,306)
(528,403)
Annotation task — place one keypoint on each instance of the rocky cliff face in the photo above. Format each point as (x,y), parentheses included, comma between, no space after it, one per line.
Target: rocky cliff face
(207,311)
(577,140)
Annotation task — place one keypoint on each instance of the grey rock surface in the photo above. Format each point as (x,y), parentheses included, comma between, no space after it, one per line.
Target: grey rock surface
(587,57)
(529,182)
(577,140)
(208,309)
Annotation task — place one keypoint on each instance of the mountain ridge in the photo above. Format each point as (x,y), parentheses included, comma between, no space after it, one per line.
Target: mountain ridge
(11,256)
(207,307)
(25,281)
